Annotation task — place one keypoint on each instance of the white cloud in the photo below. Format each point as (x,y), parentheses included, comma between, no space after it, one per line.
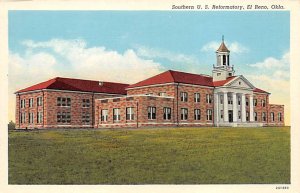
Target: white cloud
(273,63)
(234,47)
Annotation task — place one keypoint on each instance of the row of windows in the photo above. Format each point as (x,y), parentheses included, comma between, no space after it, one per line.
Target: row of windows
(263,116)
(230,101)
(31,117)
(167,114)
(39,102)
(184,97)
(66,102)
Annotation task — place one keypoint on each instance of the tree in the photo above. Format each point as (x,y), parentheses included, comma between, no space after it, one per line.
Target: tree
(11,125)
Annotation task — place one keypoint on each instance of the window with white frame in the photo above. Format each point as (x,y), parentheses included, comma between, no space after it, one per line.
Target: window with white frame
(264,116)
(162,94)
(209,115)
(230,100)
(184,114)
(184,96)
(197,114)
(239,114)
(167,113)
(116,114)
(197,97)
(63,117)
(30,118)
(263,103)
(255,116)
(63,101)
(104,115)
(247,101)
(22,103)
(279,117)
(208,98)
(31,102)
(239,100)
(22,117)
(39,117)
(151,113)
(85,117)
(85,102)
(129,113)
(39,101)
(247,116)
(255,102)
(221,99)
(222,114)
(272,116)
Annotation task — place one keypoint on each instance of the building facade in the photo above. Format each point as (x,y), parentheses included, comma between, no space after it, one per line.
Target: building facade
(171,98)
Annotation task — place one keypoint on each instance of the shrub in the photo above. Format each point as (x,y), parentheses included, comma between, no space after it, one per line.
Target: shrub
(11,125)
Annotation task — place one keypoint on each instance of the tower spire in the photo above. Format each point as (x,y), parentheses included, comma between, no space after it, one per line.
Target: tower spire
(223,38)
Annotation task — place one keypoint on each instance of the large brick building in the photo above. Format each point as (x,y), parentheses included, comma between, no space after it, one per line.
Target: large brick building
(171,98)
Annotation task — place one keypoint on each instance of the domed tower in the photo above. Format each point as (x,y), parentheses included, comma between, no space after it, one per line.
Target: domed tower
(222,70)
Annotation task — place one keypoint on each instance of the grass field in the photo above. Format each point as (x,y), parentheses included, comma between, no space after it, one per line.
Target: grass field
(151,156)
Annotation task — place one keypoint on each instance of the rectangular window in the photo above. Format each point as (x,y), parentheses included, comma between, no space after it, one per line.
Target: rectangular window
(39,101)
(85,102)
(221,99)
(247,116)
(184,114)
(30,116)
(209,115)
(264,116)
(239,100)
(263,103)
(104,115)
(129,113)
(230,100)
(247,102)
(184,96)
(22,103)
(197,97)
(197,114)
(151,113)
(222,114)
(23,117)
(239,114)
(162,94)
(116,114)
(272,116)
(63,101)
(85,117)
(255,102)
(31,102)
(279,117)
(167,113)
(208,98)
(255,116)
(39,117)
(63,117)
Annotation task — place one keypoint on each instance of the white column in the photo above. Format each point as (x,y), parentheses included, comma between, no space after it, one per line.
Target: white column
(234,107)
(225,108)
(243,108)
(216,109)
(251,108)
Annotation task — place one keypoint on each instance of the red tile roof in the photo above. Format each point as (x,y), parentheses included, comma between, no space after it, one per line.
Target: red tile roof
(223,48)
(223,82)
(260,90)
(171,76)
(72,84)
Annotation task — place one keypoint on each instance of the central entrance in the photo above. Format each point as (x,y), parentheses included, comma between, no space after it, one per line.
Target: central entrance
(230,116)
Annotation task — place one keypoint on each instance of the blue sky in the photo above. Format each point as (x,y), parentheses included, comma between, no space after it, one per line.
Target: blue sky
(133,45)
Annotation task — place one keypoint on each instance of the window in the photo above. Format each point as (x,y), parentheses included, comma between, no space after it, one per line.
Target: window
(85,118)
(209,115)
(184,96)
(151,113)
(263,116)
(184,114)
(208,98)
(218,74)
(272,116)
(85,102)
(221,99)
(247,101)
(197,97)
(162,94)
(255,102)
(31,102)
(104,115)
(23,117)
(247,115)
(239,100)
(167,113)
(22,103)
(116,114)
(230,74)
(39,101)
(197,114)
(129,113)
(255,116)
(230,100)
(30,116)
(63,101)
(222,114)
(63,117)
(263,103)
(39,117)
(239,114)
(279,117)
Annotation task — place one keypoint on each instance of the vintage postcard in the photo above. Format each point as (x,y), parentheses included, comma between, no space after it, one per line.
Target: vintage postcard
(181,96)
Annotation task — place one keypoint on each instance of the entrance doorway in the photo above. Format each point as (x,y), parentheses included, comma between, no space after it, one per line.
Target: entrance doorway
(230,116)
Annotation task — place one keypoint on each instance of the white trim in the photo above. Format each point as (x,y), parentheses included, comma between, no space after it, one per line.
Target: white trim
(55,90)
(153,85)
(138,95)
(194,123)
(196,85)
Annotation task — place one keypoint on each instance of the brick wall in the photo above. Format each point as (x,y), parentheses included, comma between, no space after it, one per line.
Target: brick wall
(276,109)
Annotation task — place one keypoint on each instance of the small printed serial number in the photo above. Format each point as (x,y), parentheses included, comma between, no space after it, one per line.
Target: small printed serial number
(282,187)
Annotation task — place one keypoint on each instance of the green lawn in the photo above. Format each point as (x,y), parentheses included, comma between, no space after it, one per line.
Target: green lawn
(151,156)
